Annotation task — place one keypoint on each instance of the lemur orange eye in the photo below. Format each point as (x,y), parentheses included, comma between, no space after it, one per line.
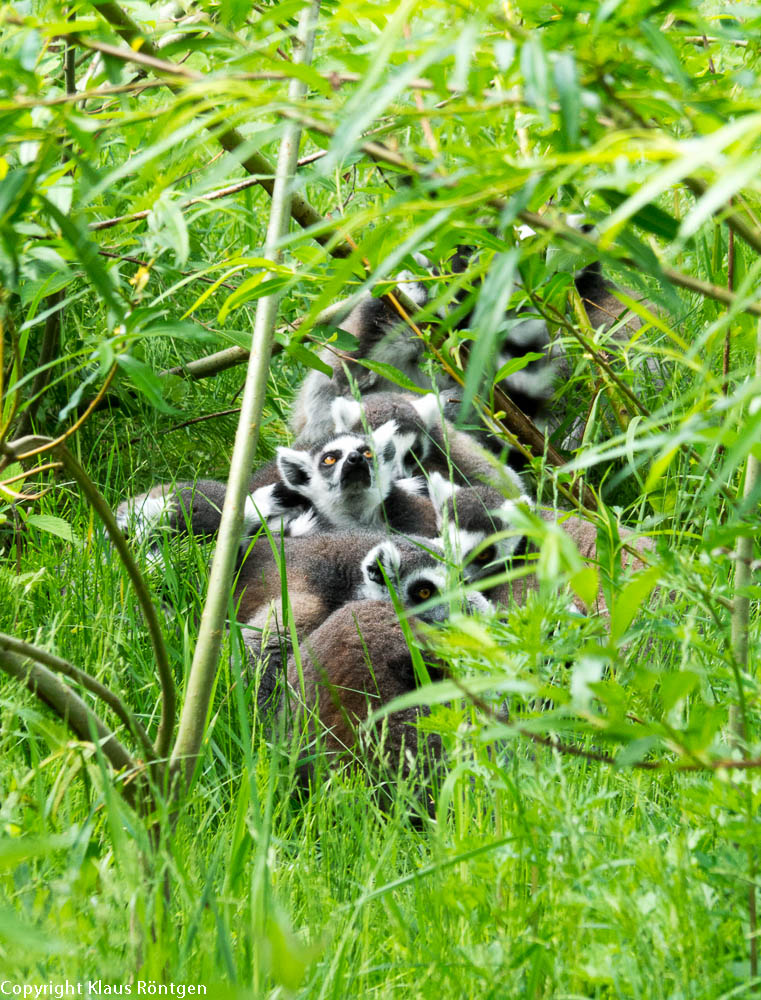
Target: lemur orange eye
(329,460)
(486,555)
(367,453)
(424,593)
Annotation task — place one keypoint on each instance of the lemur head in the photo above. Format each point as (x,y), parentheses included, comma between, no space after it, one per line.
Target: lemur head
(414,417)
(478,524)
(417,574)
(346,478)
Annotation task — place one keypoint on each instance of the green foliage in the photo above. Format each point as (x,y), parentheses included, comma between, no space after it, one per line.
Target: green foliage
(536,872)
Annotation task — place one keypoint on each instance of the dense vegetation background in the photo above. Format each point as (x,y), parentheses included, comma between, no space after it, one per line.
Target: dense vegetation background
(605,842)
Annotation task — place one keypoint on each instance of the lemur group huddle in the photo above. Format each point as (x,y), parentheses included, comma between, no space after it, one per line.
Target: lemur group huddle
(381,498)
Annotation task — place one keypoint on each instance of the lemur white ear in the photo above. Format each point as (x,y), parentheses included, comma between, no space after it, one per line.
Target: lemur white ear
(259,506)
(295,468)
(428,409)
(383,441)
(440,491)
(346,414)
(386,555)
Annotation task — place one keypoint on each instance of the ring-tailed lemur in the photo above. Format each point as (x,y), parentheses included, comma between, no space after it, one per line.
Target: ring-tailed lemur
(383,337)
(355,662)
(325,571)
(346,481)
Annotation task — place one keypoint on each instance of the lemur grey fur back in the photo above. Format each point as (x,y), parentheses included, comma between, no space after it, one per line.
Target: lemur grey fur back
(196,508)
(357,660)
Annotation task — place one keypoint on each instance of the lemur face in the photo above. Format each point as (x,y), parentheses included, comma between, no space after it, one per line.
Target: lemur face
(417,576)
(345,478)
(478,525)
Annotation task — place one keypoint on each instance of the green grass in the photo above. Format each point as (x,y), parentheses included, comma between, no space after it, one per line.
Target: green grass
(534,875)
(524,872)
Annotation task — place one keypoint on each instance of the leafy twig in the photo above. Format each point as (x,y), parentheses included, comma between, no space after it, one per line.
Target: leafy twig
(232,140)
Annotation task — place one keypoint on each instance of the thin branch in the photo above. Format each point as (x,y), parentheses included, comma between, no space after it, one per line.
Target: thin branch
(230,357)
(50,443)
(138,57)
(712,40)
(30,472)
(81,96)
(106,695)
(188,423)
(726,360)
(186,274)
(599,756)
(225,192)
(704,288)
(213,364)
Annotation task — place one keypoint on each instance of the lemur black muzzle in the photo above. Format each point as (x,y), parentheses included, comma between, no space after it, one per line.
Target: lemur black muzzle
(355,470)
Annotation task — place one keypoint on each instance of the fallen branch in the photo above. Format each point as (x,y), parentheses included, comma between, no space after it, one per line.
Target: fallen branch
(189,423)
(70,708)
(85,680)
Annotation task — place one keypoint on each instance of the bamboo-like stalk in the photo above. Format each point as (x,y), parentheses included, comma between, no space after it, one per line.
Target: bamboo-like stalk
(741,602)
(738,718)
(206,656)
